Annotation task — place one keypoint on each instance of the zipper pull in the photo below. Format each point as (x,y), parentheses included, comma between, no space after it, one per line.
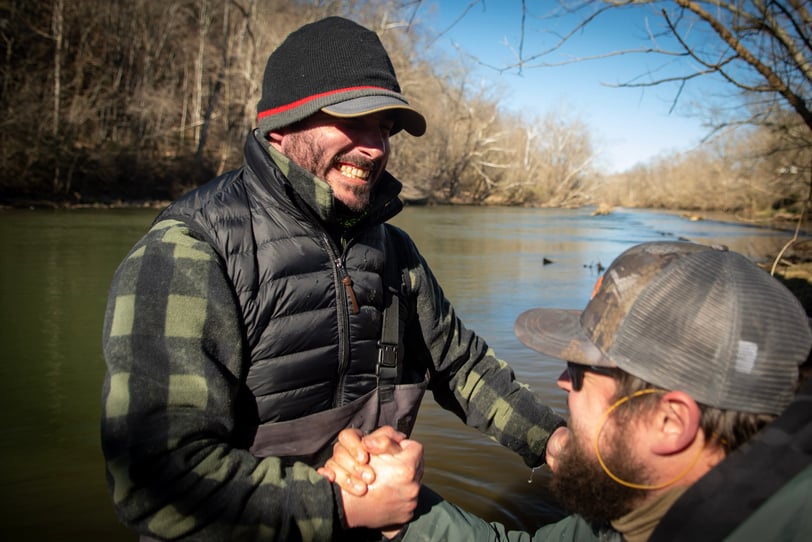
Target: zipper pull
(347,282)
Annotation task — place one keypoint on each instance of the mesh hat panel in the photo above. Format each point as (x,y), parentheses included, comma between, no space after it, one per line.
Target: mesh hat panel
(687,317)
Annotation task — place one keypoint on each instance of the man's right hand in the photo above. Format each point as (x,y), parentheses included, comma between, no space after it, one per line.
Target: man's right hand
(391,499)
(349,465)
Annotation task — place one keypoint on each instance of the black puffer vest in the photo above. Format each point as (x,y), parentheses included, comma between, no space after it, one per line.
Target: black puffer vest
(311,311)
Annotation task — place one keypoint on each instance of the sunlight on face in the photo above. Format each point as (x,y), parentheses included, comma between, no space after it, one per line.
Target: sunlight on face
(349,154)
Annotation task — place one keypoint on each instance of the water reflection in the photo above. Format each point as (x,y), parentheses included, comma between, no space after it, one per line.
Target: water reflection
(56,270)
(57,267)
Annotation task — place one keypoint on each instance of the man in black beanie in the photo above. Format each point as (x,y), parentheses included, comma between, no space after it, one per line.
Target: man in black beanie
(274,306)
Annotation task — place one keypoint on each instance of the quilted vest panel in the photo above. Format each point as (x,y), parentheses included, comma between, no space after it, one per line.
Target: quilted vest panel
(309,351)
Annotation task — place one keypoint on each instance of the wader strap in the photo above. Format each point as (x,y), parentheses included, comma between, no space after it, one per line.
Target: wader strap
(388,350)
(390,337)
(729,493)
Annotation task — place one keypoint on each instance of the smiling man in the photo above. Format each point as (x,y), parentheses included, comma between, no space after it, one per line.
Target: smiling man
(274,306)
(350,154)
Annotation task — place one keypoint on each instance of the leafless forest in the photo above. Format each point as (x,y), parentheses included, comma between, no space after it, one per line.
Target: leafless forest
(118,101)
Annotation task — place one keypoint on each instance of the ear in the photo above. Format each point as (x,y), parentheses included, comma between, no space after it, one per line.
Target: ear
(276,137)
(676,423)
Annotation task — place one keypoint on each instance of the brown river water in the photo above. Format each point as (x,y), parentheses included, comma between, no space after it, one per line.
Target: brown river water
(57,266)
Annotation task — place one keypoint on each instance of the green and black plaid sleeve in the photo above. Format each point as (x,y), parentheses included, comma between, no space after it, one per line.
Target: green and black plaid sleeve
(174,354)
(468,379)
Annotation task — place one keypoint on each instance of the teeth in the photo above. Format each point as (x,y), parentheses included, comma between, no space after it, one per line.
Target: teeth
(351,171)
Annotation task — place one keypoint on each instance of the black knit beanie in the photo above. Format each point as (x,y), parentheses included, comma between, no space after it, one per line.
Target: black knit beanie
(337,66)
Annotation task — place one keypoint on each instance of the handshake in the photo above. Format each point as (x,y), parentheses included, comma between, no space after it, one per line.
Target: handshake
(380,476)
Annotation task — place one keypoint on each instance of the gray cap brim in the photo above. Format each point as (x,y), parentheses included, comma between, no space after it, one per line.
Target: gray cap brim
(558,333)
(406,117)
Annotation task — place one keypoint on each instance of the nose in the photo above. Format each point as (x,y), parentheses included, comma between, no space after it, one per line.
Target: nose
(564,381)
(373,143)
(370,135)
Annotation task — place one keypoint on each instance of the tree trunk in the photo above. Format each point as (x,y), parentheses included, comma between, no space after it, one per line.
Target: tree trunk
(57,33)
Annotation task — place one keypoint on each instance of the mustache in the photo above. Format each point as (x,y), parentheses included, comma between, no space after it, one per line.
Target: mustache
(358,161)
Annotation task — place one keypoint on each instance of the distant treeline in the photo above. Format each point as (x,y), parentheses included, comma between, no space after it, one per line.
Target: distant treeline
(107,101)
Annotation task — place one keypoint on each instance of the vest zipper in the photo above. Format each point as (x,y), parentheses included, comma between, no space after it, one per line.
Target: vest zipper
(343,308)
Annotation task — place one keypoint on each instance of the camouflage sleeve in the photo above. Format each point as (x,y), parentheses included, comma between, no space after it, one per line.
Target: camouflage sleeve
(174,353)
(468,379)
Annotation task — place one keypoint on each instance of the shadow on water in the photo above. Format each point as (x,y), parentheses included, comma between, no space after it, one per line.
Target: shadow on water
(57,267)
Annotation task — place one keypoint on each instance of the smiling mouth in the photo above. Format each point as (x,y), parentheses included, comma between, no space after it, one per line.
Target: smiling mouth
(348,170)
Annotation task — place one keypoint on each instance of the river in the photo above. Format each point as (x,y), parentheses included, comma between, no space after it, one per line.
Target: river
(492,262)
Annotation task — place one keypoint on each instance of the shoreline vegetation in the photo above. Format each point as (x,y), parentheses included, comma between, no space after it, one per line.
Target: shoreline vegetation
(780,221)
(139,102)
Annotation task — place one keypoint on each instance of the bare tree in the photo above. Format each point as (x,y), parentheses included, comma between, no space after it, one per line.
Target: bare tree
(57,24)
(759,47)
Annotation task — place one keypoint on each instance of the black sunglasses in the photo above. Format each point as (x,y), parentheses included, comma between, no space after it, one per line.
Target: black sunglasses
(576,371)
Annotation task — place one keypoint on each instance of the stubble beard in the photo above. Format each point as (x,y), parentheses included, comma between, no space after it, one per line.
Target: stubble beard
(582,487)
(306,152)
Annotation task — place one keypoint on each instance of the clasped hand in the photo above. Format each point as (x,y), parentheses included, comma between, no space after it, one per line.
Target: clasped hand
(379,475)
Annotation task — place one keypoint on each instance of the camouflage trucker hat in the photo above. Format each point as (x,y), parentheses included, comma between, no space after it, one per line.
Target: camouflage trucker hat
(687,317)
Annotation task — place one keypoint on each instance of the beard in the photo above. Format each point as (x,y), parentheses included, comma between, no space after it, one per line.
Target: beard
(582,487)
(305,150)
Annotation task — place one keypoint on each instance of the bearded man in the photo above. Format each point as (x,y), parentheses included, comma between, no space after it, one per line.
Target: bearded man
(686,422)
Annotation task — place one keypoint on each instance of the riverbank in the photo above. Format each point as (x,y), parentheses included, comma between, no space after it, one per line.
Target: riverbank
(792,265)
(34,204)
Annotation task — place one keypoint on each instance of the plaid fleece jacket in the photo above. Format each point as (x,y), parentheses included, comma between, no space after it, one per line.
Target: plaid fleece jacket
(173,439)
